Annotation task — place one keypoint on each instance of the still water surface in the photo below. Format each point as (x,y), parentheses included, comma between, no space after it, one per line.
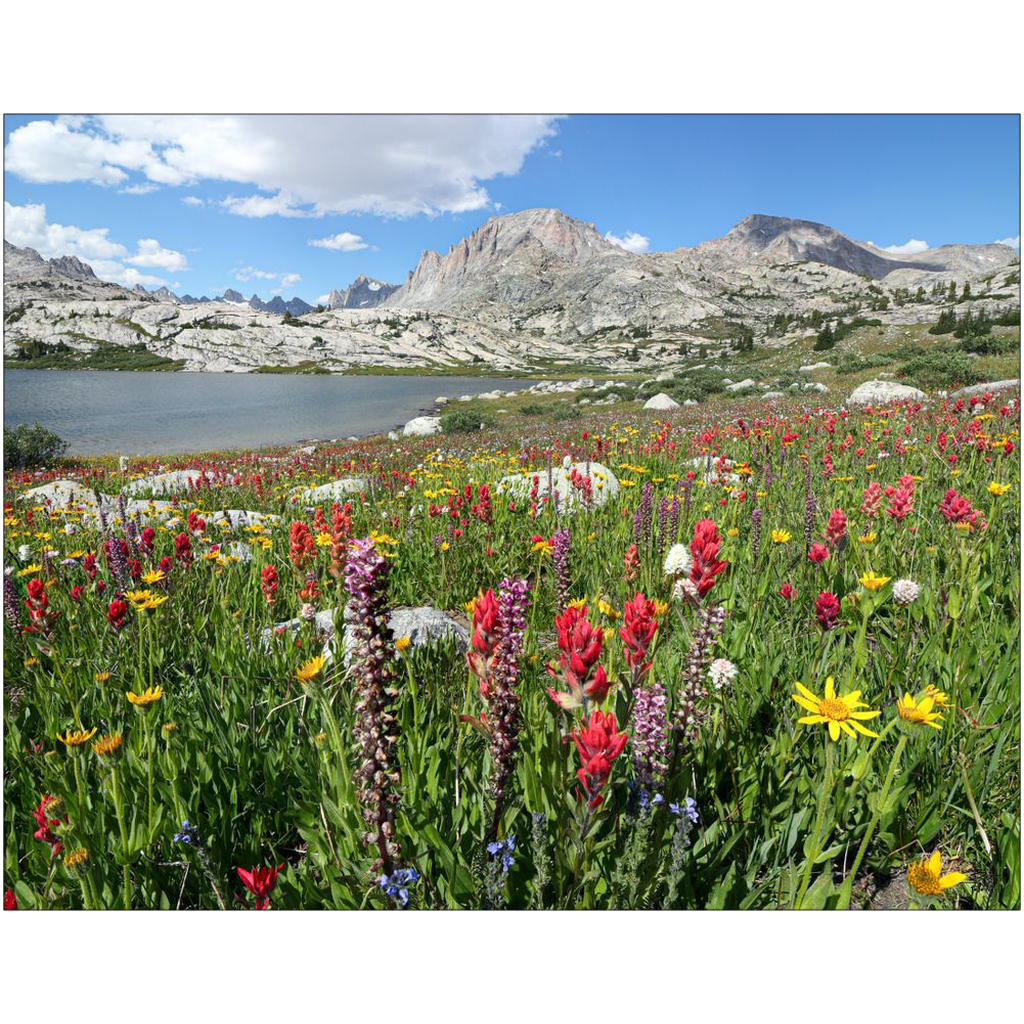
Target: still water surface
(99,411)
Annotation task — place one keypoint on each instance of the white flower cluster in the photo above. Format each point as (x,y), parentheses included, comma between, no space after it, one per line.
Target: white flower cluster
(685,592)
(905,592)
(678,561)
(721,672)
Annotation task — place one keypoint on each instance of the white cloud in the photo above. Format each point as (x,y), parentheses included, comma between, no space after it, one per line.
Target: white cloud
(27,226)
(152,254)
(138,190)
(631,241)
(344,241)
(907,248)
(322,300)
(394,165)
(245,274)
(248,273)
(192,201)
(1013,243)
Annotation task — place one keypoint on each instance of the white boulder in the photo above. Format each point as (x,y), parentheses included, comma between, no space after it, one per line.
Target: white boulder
(661,402)
(882,392)
(422,426)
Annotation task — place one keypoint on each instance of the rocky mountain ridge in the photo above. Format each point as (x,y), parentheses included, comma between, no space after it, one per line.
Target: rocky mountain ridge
(530,289)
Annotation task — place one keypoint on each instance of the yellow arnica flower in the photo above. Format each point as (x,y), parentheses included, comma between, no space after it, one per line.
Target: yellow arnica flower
(153,603)
(660,607)
(602,606)
(107,745)
(76,858)
(102,677)
(940,698)
(310,670)
(997,489)
(918,713)
(139,597)
(923,876)
(403,643)
(868,538)
(869,581)
(76,738)
(840,714)
(733,532)
(543,547)
(781,536)
(143,700)
(153,576)
(30,570)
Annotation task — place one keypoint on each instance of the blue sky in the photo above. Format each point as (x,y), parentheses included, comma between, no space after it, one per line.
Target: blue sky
(299,205)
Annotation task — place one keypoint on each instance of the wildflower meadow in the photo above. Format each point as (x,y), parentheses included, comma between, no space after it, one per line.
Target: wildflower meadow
(753,657)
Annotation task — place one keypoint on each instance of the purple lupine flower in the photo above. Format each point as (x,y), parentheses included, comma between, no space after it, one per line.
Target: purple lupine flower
(560,558)
(650,735)
(809,509)
(116,561)
(11,607)
(376,728)
(687,486)
(503,714)
(709,628)
(662,525)
(673,520)
(643,515)
(755,539)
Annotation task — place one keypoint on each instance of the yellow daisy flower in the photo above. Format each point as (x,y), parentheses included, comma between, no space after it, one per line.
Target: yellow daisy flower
(153,576)
(781,536)
(403,643)
(310,669)
(838,712)
(925,876)
(997,489)
(914,713)
(869,581)
(144,699)
(76,738)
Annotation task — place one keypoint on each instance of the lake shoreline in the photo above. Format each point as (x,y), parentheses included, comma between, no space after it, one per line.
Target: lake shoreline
(140,414)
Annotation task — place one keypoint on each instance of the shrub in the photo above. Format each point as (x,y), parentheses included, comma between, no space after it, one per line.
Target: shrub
(26,447)
(533,409)
(461,421)
(566,412)
(990,345)
(939,369)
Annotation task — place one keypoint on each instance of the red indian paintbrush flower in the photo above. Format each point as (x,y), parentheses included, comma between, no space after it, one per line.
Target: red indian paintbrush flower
(639,624)
(300,544)
(826,607)
(580,645)
(817,553)
(10,900)
(44,833)
(268,584)
(704,548)
(480,656)
(116,612)
(598,744)
(260,882)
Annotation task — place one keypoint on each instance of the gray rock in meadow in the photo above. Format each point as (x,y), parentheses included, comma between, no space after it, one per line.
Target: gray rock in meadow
(175,482)
(605,485)
(772,395)
(821,388)
(980,389)
(332,491)
(814,366)
(422,426)
(742,385)
(392,436)
(880,392)
(690,401)
(661,402)
(61,494)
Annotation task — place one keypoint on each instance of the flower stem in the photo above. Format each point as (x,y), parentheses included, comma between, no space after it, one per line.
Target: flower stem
(826,785)
(878,809)
(119,810)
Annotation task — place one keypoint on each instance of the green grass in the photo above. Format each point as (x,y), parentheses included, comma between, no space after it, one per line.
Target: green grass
(107,356)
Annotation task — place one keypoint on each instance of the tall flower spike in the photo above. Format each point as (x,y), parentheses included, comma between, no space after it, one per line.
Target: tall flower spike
(376,730)
(599,744)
